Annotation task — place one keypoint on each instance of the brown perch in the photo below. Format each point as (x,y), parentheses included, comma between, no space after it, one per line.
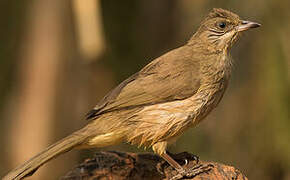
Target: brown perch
(113,165)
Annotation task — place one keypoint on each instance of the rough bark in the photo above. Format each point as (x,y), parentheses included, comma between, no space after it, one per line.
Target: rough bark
(132,166)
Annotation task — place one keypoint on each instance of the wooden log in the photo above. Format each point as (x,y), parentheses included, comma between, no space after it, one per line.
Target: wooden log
(132,166)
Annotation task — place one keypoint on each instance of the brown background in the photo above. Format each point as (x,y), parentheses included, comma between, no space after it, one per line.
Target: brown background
(59,57)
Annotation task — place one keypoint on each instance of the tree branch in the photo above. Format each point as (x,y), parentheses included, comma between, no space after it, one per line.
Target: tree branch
(132,166)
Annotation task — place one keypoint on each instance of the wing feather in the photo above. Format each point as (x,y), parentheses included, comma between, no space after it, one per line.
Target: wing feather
(173,76)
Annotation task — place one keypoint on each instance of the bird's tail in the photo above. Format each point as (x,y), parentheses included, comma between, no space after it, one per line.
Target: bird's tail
(62,146)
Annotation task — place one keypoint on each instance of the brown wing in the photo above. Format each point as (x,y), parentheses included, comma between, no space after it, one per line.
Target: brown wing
(173,76)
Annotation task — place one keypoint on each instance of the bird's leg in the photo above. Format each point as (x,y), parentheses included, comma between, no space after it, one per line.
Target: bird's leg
(182,172)
(160,148)
(172,163)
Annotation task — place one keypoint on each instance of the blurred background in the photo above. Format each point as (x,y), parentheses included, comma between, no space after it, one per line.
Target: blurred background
(59,57)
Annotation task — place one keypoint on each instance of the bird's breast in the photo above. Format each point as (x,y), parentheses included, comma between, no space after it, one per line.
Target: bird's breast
(168,120)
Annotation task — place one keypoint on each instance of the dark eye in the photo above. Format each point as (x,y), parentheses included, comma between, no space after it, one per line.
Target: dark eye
(222,25)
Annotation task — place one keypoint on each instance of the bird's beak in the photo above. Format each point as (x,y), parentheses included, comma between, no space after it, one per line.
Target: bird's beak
(245,25)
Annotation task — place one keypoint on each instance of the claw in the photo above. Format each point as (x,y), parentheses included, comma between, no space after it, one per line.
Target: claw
(186,162)
(196,158)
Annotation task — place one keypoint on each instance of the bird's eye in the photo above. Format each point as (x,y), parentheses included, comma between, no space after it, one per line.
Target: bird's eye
(222,25)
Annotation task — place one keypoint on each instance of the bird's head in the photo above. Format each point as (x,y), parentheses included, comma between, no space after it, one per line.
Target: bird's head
(221,28)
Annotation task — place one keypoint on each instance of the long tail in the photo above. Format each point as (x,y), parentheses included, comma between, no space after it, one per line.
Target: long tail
(62,146)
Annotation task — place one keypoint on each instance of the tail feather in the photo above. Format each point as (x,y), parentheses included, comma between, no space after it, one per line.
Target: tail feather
(62,146)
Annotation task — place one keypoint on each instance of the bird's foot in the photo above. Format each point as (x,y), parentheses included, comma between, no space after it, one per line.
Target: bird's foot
(192,172)
(192,157)
(183,158)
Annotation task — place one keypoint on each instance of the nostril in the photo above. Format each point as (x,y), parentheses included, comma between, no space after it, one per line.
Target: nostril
(245,22)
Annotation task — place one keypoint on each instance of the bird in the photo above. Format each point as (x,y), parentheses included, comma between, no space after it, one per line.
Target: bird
(156,105)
